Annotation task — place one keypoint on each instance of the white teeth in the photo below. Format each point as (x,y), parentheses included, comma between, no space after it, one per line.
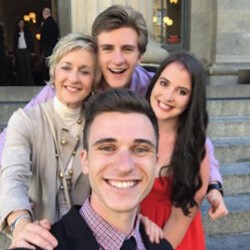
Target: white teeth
(72,89)
(122,184)
(164,106)
(117,70)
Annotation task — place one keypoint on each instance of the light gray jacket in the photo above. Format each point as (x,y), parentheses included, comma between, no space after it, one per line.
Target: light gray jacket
(29,175)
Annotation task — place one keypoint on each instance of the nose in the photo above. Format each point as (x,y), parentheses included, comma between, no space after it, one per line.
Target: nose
(74,76)
(118,57)
(169,95)
(125,161)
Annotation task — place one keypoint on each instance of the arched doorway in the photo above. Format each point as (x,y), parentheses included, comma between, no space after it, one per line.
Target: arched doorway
(13,10)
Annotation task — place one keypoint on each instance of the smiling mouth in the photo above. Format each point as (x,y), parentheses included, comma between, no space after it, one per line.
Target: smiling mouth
(164,106)
(117,71)
(71,89)
(122,184)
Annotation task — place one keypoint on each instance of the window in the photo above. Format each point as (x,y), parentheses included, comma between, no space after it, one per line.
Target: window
(170,23)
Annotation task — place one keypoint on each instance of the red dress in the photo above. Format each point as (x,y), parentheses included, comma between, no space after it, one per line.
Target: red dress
(157,206)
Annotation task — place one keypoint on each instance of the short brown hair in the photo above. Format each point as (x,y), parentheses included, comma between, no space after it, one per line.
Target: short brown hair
(117,100)
(119,16)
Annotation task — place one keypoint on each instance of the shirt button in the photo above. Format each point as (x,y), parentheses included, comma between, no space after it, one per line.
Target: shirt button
(63,141)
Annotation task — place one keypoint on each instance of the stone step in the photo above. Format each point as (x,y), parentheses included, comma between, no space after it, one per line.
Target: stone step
(230,126)
(230,150)
(236,178)
(228,91)
(18,93)
(7,109)
(228,241)
(9,93)
(229,107)
(237,221)
(2,126)
(4,241)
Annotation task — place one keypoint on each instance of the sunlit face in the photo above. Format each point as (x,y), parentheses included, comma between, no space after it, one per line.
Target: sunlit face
(118,56)
(171,93)
(120,161)
(74,76)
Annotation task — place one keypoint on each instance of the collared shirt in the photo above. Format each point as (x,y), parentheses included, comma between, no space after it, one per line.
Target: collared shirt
(140,81)
(108,237)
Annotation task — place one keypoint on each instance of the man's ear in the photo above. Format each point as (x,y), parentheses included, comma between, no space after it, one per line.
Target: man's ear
(84,161)
(139,59)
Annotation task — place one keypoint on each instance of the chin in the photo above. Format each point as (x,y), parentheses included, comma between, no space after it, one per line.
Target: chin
(125,206)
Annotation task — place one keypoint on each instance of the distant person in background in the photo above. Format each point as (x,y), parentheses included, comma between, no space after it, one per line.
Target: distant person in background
(3,57)
(23,48)
(49,38)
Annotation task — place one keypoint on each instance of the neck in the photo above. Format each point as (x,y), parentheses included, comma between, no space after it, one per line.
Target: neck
(123,221)
(104,85)
(168,126)
(66,112)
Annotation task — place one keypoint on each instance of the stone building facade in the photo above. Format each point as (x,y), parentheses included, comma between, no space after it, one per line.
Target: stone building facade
(218,30)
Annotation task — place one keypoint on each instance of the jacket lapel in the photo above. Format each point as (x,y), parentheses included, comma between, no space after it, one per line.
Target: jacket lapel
(78,231)
(163,245)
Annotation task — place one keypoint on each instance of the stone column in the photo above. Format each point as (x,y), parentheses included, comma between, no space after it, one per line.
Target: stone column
(232,50)
(64,16)
(201,29)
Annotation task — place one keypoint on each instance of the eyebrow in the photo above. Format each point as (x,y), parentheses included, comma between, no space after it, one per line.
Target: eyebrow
(70,63)
(102,45)
(110,139)
(165,79)
(103,140)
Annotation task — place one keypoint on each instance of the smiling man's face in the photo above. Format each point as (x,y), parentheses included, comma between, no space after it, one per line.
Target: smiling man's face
(118,55)
(120,162)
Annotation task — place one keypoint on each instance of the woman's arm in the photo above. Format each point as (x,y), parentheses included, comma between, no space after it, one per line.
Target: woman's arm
(177,219)
(215,175)
(44,95)
(16,172)
(16,167)
(218,207)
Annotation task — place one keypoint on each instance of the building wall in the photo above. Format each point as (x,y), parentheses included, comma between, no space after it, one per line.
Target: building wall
(233,31)
(219,29)
(202,20)
(63,11)
(83,12)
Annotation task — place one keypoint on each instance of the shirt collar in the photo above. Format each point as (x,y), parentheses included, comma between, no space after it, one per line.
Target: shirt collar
(107,236)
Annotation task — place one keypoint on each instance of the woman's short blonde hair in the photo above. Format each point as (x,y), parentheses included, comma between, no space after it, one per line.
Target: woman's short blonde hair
(71,42)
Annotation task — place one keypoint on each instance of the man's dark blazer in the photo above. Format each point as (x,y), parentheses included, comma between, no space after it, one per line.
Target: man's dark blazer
(72,232)
(49,36)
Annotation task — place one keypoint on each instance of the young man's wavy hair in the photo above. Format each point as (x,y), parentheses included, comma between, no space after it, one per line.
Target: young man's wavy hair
(119,16)
(189,149)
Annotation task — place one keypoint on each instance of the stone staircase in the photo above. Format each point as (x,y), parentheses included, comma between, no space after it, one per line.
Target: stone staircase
(229,129)
(11,98)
